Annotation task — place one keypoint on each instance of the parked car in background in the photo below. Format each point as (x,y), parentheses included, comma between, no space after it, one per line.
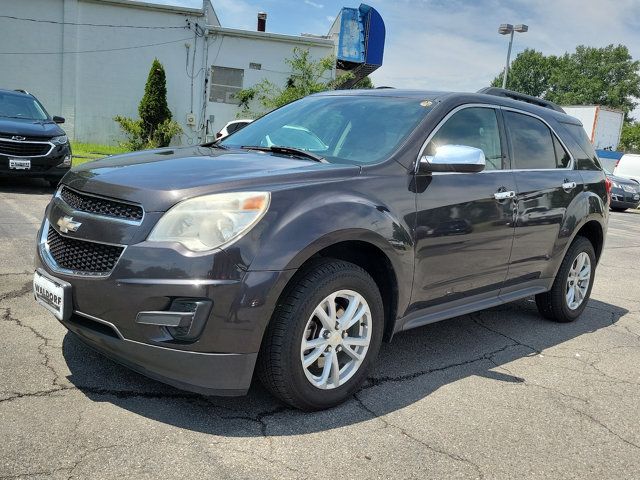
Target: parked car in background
(232,126)
(625,193)
(31,142)
(198,266)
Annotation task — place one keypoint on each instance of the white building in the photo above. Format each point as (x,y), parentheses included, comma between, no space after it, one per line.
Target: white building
(88,61)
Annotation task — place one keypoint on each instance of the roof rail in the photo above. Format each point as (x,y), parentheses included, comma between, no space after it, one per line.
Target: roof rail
(21,91)
(501,92)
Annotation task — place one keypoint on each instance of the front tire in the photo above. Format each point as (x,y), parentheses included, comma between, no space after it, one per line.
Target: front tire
(323,337)
(571,288)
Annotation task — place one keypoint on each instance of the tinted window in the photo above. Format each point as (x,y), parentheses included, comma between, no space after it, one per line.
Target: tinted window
(531,141)
(355,129)
(473,127)
(562,157)
(588,160)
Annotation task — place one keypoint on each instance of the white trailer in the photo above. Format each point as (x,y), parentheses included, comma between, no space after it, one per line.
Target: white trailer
(602,124)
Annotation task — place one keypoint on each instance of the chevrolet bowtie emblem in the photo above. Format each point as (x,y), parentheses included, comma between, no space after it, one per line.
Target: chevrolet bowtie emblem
(67,224)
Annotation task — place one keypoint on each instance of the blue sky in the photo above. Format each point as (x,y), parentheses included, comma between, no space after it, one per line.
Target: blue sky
(452,44)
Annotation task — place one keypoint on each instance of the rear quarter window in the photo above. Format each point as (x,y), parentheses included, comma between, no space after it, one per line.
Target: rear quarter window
(586,157)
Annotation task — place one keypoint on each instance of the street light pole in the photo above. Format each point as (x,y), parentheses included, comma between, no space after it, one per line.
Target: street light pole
(506,66)
(508,29)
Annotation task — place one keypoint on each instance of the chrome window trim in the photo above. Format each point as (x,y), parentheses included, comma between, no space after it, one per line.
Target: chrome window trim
(43,248)
(58,194)
(495,107)
(23,142)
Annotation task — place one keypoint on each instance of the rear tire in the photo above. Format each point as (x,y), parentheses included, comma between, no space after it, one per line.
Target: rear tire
(571,289)
(302,346)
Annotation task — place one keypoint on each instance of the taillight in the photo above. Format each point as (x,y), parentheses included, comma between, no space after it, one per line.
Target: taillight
(607,186)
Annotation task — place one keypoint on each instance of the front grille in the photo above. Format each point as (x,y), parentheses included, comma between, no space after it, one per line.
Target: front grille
(24,149)
(80,255)
(101,206)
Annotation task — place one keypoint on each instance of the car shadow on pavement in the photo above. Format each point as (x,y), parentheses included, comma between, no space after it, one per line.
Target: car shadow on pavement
(413,366)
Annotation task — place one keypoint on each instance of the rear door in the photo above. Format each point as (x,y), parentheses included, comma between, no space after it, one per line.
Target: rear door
(546,184)
(464,226)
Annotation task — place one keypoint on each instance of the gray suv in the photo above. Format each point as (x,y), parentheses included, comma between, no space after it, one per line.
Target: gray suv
(295,246)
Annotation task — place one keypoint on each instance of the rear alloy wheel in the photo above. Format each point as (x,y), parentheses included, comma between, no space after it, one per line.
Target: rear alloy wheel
(571,289)
(323,337)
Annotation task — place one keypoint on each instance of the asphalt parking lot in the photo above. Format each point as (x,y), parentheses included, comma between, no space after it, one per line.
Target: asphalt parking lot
(499,394)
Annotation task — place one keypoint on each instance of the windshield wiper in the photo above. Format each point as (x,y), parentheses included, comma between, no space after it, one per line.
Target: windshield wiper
(287,151)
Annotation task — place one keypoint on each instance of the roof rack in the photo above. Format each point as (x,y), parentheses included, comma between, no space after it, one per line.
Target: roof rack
(501,92)
(21,91)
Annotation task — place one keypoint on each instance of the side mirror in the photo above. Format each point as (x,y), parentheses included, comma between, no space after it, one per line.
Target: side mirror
(453,158)
(58,119)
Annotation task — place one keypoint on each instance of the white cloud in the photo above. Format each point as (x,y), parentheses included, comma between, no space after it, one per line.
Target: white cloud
(314,4)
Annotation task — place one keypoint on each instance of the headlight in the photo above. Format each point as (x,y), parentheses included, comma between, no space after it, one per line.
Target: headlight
(207,222)
(61,140)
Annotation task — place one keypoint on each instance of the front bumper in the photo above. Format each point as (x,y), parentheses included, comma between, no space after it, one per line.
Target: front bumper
(623,199)
(206,373)
(220,360)
(41,167)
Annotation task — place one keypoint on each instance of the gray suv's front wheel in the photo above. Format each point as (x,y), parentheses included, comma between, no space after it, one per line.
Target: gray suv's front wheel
(323,336)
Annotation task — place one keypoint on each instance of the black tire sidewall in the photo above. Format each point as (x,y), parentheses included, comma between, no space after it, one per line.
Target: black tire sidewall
(350,279)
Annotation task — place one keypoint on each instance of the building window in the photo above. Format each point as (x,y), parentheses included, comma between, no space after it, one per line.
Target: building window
(225,83)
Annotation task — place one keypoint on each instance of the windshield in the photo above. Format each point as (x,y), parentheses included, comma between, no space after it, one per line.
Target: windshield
(21,106)
(342,129)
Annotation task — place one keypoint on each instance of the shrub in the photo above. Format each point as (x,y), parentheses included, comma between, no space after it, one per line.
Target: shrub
(154,128)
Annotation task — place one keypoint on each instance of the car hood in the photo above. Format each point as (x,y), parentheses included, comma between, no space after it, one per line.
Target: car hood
(622,180)
(30,128)
(158,179)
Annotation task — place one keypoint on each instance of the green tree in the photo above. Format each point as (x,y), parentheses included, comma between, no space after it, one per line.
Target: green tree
(630,138)
(602,76)
(155,127)
(529,73)
(307,77)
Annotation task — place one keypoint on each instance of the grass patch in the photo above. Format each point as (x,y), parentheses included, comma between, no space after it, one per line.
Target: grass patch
(85,152)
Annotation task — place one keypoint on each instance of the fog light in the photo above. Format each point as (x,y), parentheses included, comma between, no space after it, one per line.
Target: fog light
(66,162)
(184,320)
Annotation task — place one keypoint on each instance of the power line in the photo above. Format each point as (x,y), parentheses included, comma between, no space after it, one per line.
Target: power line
(38,20)
(96,51)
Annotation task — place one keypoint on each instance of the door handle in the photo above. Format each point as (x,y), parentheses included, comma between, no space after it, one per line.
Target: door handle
(568,186)
(504,195)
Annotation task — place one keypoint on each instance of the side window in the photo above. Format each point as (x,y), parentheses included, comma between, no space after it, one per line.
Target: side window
(532,142)
(562,157)
(587,159)
(474,127)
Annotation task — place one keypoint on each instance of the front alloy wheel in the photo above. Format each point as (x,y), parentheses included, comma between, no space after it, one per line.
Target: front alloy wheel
(336,339)
(323,336)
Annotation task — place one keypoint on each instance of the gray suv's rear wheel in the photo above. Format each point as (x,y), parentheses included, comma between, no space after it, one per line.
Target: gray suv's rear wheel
(572,287)
(323,336)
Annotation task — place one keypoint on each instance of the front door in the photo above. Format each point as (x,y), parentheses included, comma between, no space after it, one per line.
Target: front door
(464,223)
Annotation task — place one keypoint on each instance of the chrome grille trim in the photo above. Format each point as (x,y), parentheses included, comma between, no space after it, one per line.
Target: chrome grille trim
(24,142)
(122,219)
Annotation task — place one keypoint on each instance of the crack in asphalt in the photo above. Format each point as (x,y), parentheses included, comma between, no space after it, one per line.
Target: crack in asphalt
(439,451)
(26,288)
(553,390)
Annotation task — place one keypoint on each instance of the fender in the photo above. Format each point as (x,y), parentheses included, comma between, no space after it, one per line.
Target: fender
(587,206)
